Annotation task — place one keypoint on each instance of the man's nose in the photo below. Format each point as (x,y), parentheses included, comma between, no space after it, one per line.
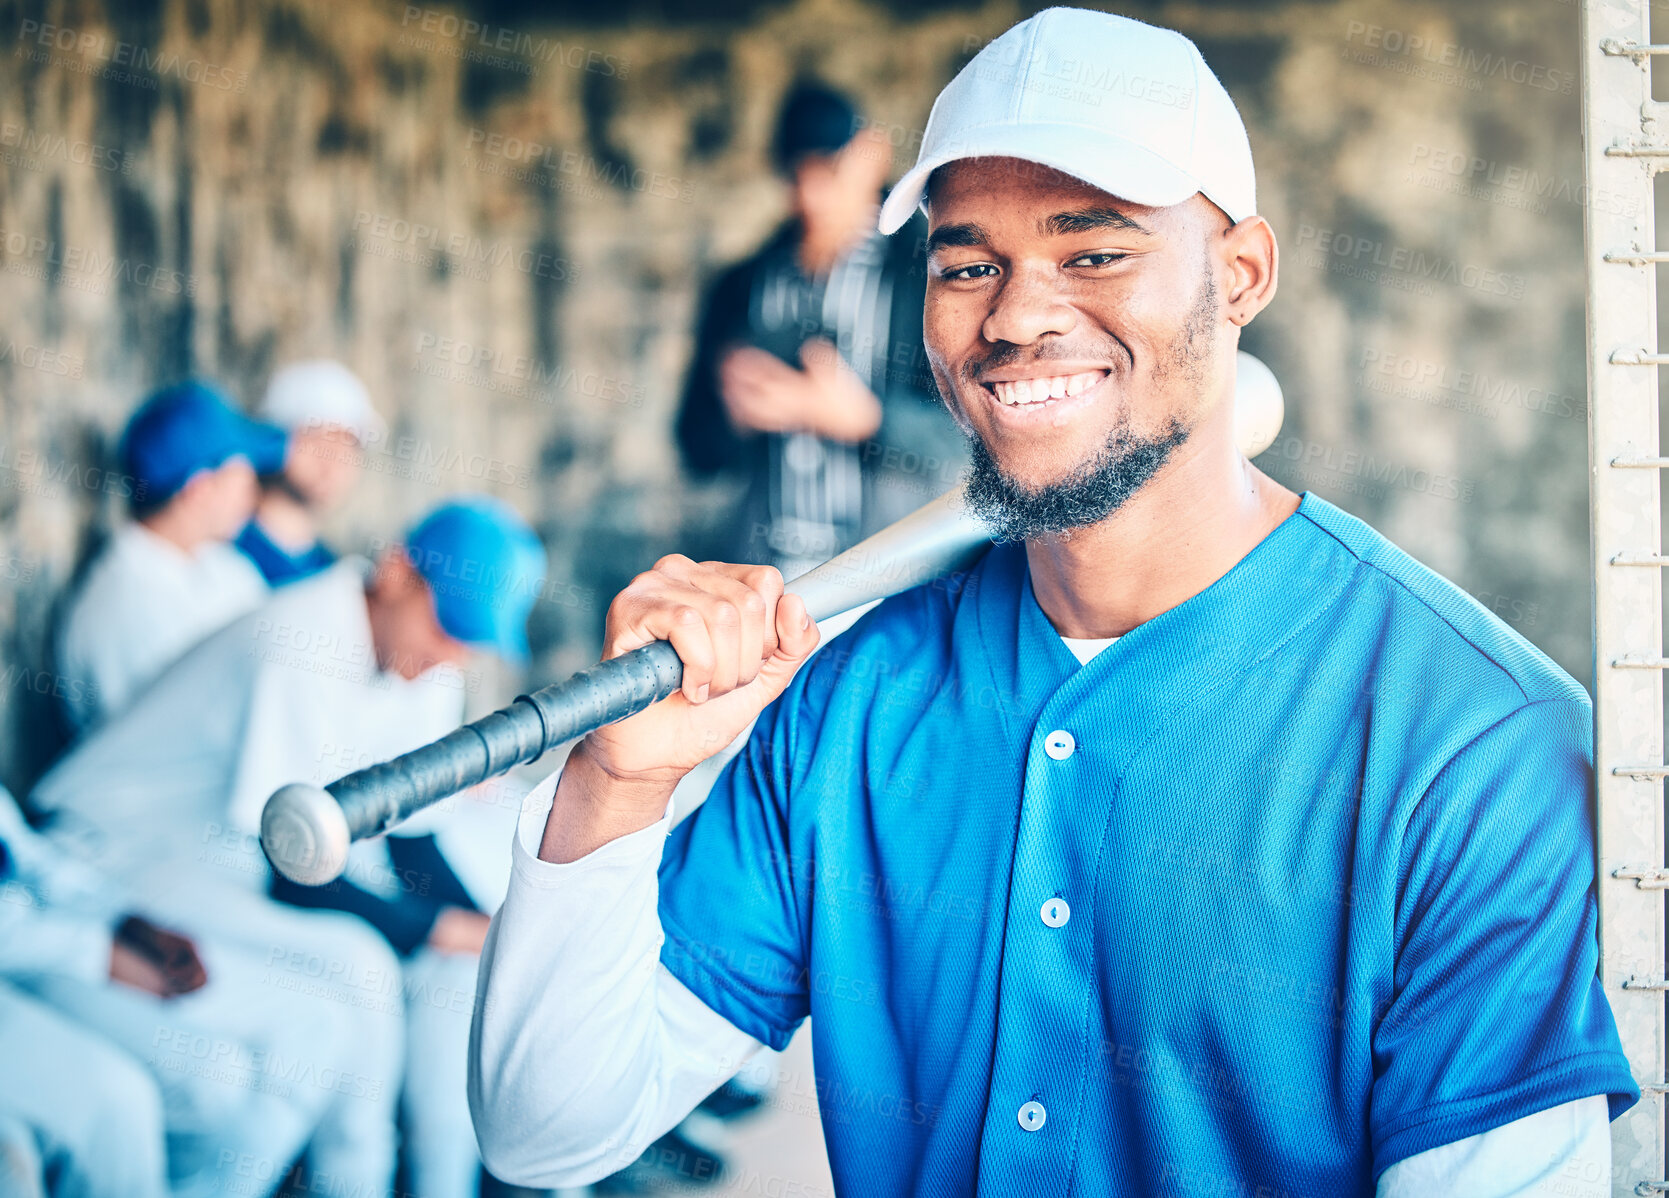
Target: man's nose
(1029,305)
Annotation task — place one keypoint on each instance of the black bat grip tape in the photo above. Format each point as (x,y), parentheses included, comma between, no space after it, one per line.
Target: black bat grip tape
(376,798)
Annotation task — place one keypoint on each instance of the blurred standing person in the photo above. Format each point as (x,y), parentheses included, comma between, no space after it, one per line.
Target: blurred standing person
(808,366)
(808,360)
(330,419)
(170,576)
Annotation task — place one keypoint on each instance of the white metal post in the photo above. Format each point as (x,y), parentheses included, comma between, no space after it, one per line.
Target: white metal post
(1623,147)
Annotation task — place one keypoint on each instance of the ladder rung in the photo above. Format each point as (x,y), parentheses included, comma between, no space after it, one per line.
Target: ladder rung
(1634,50)
(1646,877)
(1639,661)
(1640,463)
(1637,357)
(1640,559)
(1639,983)
(1637,151)
(1638,259)
(1641,771)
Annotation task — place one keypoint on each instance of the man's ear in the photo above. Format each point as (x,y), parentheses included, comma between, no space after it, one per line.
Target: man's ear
(1253,261)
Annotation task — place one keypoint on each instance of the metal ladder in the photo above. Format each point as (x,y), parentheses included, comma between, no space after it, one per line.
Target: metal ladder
(1624,147)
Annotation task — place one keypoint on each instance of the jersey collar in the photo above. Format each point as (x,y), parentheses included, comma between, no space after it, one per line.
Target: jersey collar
(1286,579)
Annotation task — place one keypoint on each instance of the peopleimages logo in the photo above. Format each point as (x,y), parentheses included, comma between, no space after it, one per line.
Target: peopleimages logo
(31,471)
(37,40)
(413,241)
(1081,79)
(1382,46)
(487,36)
(1517,186)
(572,164)
(1380,261)
(494,369)
(1353,464)
(38,147)
(86,269)
(42,358)
(1383,369)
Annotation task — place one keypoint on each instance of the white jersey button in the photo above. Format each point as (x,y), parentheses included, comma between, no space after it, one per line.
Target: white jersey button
(1032,1116)
(1059,744)
(1056,912)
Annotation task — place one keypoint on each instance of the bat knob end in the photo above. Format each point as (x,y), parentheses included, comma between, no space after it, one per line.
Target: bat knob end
(305,834)
(1259,406)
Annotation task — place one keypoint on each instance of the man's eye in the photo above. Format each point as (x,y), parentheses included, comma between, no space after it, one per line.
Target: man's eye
(1100,259)
(985,271)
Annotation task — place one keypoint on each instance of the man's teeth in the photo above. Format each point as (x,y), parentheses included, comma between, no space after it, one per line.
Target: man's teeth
(1027,391)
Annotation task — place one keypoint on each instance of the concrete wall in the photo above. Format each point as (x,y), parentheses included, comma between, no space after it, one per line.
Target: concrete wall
(501,215)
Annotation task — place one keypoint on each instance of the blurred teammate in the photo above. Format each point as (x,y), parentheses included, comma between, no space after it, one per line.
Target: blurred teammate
(329,417)
(74,1108)
(464,580)
(170,576)
(163,1066)
(22,1171)
(356,664)
(808,378)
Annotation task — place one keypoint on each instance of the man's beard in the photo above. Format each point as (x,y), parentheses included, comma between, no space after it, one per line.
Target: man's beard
(1091,493)
(1105,482)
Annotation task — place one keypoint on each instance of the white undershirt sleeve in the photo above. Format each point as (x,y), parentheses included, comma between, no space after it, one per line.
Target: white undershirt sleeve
(56,912)
(1564,1150)
(584,1048)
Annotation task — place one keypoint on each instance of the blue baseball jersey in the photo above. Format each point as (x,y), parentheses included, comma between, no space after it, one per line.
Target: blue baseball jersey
(1291,882)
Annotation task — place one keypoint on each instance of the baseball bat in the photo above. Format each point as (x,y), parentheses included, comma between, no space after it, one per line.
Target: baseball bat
(306,831)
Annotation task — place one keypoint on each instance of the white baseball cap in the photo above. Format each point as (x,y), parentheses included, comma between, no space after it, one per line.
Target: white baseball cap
(318,392)
(1123,105)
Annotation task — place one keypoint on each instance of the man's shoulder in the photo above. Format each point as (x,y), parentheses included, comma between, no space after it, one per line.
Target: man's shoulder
(122,552)
(120,584)
(221,563)
(1434,621)
(330,603)
(909,630)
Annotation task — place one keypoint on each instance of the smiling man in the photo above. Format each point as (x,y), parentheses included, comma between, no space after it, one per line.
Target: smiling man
(1202,842)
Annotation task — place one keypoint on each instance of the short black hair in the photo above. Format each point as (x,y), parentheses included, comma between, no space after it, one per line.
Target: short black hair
(815,119)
